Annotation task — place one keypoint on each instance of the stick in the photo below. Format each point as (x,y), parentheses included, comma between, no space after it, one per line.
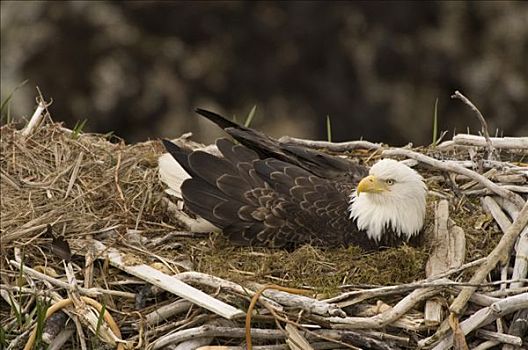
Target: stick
(167,311)
(449,248)
(35,118)
(194,277)
(305,303)
(331,146)
(500,337)
(497,142)
(295,340)
(491,206)
(451,166)
(520,266)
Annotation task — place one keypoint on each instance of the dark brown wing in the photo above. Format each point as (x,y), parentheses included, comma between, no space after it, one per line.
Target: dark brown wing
(267,202)
(317,163)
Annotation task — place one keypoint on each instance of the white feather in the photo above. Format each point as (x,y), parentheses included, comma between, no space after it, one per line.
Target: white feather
(401,208)
(172,174)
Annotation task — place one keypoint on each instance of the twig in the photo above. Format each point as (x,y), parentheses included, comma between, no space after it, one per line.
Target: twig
(35,118)
(486,345)
(487,191)
(491,149)
(194,277)
(331,146)
(490,205)
(167,311)
(520,266)
(295,339)
(500,337)
(302,302)
(497,142)
(454,167)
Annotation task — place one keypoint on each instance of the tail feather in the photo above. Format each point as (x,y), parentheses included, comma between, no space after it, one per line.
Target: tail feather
(217,119)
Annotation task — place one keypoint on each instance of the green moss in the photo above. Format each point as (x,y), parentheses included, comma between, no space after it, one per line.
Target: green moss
(324,270)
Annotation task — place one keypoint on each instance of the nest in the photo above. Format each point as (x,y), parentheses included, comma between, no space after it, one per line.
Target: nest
(88,231)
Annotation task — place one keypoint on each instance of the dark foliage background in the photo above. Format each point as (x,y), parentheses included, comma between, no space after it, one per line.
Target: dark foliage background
(140,68)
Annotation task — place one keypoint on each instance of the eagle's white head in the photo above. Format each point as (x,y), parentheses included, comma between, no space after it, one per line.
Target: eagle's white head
(391,197)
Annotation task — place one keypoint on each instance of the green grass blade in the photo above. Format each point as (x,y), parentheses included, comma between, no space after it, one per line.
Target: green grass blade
(18,315)
(435,123)
(77,129)
(100,320)
(42,309)
(328,128)
(3,340)
(4,107)
(250,116)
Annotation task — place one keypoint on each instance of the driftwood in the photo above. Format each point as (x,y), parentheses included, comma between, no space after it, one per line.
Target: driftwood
(331,146)
(448,251)
(497,142)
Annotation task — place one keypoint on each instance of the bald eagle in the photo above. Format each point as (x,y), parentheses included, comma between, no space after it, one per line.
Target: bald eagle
(261,192)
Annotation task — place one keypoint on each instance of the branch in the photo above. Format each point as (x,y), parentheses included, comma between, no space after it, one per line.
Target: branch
(331,146)
(498,142)
(452,166)
(483,122)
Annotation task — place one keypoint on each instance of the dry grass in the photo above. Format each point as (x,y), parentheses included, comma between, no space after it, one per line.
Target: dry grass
(93,185)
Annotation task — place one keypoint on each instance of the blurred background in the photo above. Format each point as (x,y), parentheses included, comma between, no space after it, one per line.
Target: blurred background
(376,68)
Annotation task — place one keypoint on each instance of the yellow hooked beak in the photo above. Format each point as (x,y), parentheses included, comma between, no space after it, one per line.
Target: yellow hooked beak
(371,184)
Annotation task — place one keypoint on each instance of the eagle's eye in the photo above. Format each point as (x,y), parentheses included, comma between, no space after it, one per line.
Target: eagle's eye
(389,181)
